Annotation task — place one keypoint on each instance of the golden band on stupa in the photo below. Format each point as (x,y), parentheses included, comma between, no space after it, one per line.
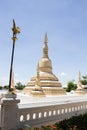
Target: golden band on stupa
(48,81)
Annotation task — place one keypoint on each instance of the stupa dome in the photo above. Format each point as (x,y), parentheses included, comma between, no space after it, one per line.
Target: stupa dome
(45,65)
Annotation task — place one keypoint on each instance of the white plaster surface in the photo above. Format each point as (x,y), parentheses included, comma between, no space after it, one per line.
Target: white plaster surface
(28,101)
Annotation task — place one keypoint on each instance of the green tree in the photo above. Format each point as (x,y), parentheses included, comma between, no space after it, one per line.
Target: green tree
(84,80)
(19,86)
(6,87)
(71,86)
(1,87)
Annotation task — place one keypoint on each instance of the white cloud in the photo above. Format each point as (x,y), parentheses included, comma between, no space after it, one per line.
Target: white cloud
(63,74)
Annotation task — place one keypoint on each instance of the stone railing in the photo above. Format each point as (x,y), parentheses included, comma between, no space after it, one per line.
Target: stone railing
(14,116)
(42,115)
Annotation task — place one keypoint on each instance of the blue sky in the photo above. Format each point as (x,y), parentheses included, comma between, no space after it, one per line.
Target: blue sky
(65,22)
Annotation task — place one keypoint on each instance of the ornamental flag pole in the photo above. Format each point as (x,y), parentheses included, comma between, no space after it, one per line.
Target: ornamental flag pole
(15,30)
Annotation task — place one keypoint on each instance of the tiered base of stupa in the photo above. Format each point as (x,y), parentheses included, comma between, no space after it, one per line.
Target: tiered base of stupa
(37,93)
(80,92)
(48,91)
(50,85)
(27,90)
(54,91)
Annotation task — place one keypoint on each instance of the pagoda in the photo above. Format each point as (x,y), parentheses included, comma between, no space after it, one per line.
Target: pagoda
(80,90)
(48,81)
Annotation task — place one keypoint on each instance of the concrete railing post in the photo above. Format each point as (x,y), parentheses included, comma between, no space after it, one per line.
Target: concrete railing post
(9,112)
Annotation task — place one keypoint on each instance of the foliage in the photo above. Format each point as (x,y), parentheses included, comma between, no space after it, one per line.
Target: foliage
(84,80)
(1,87)
(19,86)
(48,127)
(71,86)
(84,77)
(76,123)
(6,87)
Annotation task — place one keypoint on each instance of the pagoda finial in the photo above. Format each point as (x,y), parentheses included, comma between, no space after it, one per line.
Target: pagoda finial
(79,77)
(46,38)
(45,48)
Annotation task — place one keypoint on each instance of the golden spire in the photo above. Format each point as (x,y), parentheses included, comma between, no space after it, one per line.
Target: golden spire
(46,39)
(79,85)
(79,76)
(45,48)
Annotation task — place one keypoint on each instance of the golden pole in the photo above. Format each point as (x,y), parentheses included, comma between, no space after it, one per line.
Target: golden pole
(15,30)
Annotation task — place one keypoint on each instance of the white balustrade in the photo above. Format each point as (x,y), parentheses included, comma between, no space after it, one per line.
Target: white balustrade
(38,116)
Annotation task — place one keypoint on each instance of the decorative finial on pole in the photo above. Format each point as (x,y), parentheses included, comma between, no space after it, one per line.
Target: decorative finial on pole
(15,30)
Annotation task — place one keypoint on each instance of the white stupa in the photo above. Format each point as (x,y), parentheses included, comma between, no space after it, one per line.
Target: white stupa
(48,81)
(80,90)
